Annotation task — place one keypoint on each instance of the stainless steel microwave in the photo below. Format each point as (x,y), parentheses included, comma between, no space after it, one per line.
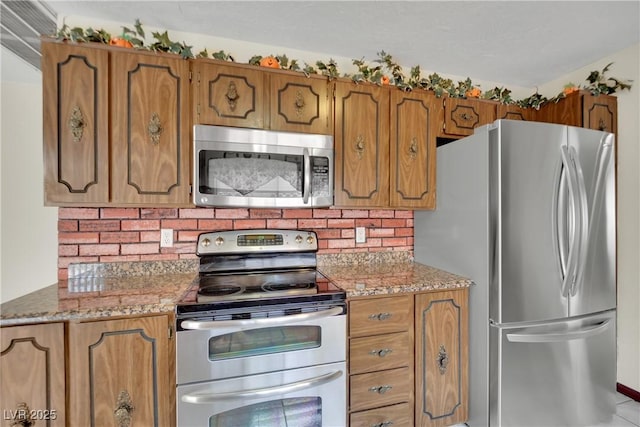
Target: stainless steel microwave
(238,167)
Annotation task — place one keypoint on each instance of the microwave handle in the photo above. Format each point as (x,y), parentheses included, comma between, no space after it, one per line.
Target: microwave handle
(306,191)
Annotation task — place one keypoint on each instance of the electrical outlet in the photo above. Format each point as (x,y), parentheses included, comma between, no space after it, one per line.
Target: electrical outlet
(361,237)
(166,238)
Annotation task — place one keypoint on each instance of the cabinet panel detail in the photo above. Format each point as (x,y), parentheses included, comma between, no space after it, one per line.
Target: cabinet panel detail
(299,104)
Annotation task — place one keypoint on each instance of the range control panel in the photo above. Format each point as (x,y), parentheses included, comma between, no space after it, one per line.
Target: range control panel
(251,241)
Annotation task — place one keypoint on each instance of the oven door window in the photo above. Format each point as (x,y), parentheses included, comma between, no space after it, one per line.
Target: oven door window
(246,174)
(298,412)
(255,342)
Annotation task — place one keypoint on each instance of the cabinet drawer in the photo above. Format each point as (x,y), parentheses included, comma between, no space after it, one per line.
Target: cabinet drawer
(380,316)
(400,415)
(379,352)
(380,388)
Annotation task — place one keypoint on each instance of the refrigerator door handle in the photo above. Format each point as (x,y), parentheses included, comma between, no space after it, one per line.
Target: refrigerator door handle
(559,220)
(579,334)
(573,219)
(583,222)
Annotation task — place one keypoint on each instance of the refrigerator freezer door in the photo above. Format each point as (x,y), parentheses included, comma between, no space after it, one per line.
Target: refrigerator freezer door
(595,286)
(526,173)
(554,374)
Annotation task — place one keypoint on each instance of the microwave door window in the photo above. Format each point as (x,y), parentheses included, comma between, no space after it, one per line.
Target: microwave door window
(243,174)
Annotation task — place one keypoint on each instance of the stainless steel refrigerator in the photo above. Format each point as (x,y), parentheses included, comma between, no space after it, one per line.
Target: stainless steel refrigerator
(527,211)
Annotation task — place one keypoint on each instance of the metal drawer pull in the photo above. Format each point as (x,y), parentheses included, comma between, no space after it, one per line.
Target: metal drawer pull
(261,322)
(383,424)
(380,316)
(381,353)
(205,397)
(380,389)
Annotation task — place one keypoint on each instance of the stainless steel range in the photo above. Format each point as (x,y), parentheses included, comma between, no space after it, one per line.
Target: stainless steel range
(261,336)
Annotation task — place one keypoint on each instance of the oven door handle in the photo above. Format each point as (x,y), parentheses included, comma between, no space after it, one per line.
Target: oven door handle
(260,322)
(262,392)
(306,191)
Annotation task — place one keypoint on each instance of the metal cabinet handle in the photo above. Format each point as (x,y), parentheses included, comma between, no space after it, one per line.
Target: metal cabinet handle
(383,424)
(380,316)
(381,353)
(200,398)
(413,148)
(23,416)
(359,146)
(442,360)
(232,95)
(76,123)
(299,103)
(124,409)
(154,128)
(382,389)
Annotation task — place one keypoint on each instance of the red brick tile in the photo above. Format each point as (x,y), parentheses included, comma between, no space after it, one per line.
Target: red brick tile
(282,223)
(99,225)
(240,224)
(121,237)
(97,250)
(149,236)
(231,213)
(155,213)
(67,250)
(67,225)
(371,243)
(120,258)
(394,241)
(139,248)
(64,262)
(381,213)
(404,214)
(215,224)
(394,222)
(81,238)
(196,213)
(341,243)
(188,236)
(185,248)
(381,232)
(109,213)
(355,213)
(327,213)
(404,232)
(265,213)
(368,222)
(329,233)
(179,224)
(141,224)
(78,213)
(297,213)
(310,224)
(347,233)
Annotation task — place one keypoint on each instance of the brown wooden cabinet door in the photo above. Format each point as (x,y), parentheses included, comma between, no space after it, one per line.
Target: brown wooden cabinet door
(32,374)
(600,112)
(361,143)
(441,344)
(229,95)
(413,150)
(119,369)
(462,116)
(150,129)
(75,123)
(300,104)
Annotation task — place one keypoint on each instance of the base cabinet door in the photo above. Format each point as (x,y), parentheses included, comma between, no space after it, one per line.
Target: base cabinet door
(441,338)
(32,375)
(119,373)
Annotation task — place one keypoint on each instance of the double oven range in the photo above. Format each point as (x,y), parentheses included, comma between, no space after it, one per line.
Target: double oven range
(261,336)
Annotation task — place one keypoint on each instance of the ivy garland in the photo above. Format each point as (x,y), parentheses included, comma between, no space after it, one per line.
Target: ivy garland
(383,71)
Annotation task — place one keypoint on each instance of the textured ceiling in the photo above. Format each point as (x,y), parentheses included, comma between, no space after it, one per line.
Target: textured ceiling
(512,42)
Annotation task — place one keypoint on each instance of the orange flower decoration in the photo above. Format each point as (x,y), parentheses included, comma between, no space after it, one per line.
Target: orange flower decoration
(473,93)
(385,80)
(270,62)
(569,89)
(120,41)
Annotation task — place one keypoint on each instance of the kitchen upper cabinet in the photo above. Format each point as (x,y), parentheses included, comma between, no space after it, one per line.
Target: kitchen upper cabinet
(150,153)
(75,89)
(514,112)
(227,94)
(116,126)
(413,149)
(385,141)
(119,372)
(300,104)
(361,144)
(460,116)
(582,109)
(32,369)
(441,352)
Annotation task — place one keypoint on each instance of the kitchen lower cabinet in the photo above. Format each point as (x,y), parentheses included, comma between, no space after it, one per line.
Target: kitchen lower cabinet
(32,375)
(119,372)
(441,348)
(408,359)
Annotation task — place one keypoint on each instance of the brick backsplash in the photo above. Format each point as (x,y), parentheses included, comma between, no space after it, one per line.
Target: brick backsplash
(133,234)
